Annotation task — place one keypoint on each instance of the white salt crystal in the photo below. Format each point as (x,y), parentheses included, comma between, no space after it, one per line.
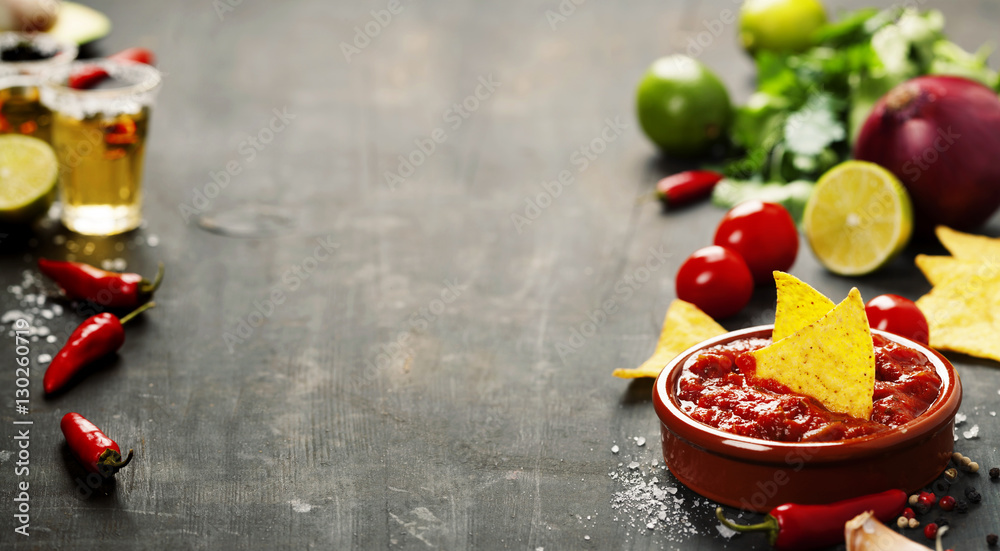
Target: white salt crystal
(614,449)
(726,531)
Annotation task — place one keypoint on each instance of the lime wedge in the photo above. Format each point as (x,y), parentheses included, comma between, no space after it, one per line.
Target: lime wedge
(858,218)
(28,174)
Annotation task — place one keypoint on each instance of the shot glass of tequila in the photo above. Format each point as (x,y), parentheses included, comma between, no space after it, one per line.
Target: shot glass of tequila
(99,135)
(24,59)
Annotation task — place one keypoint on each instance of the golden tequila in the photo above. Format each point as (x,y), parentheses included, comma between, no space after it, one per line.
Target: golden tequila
(99,135)
(100,162)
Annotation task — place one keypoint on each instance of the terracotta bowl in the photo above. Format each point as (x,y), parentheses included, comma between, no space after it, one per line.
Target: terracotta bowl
(758,475)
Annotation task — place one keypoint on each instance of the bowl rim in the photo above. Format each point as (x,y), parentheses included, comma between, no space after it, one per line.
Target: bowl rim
(939,413)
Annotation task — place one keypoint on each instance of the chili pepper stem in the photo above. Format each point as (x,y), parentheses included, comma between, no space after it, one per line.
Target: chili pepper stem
(112,460)
(136,312)
(646,198)
(151,287)
(770,525)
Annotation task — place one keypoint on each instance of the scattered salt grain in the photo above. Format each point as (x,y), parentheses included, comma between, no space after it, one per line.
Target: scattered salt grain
(960,418)
(633,465)
(11,316)
(44,358)
(586,538)
(640,441)
(50,339)
(973,432)
(726,531)
(59,240)
(152,240)
(651,525)
(614,449)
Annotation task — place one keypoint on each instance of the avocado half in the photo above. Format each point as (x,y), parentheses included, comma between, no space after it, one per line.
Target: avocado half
(80,24)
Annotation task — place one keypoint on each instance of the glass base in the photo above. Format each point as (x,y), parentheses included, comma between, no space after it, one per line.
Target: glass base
(101,219)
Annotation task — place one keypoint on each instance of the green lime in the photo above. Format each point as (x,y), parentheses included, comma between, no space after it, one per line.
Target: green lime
(28,171)
(780,25)
(682,106)
(858,218)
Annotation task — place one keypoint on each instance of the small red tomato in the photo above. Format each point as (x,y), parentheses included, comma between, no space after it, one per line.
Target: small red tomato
(930,531)
(716,280)
(764,234)
(898,315)
(947,503)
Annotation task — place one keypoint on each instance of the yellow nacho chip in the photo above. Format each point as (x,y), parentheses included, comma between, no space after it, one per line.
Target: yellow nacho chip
(683,327)
(962,308)
(798,305)
(832,360)
(963,315)
(939,269)
(969,246)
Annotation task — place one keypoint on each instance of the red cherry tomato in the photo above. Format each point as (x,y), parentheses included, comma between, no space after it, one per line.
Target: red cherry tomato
(898,315)
(764,234)
(716,280)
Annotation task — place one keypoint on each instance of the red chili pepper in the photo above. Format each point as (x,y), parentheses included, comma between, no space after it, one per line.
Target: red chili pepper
(138,55)
(110,289)
(86,77)
(98,453)
(687,187)
(96,337)
(89,75)
(793,527)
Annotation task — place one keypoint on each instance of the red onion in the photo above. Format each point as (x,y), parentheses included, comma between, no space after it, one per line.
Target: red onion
(940,136)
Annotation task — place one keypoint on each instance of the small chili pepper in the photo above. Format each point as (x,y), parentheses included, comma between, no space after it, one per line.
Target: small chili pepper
(799,527)
(110,289)
(86,77)
(89,76)
(98,453)
(96,337)
(947,503)
(930,531)
(138,55)
(687,187)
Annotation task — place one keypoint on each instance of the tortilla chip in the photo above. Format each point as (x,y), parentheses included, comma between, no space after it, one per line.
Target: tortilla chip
(940,269)
(961,316)
(799,305)
(832,360)
(683,327)
(968,246)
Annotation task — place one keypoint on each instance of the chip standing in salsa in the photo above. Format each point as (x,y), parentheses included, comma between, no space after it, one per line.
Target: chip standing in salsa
(719,387)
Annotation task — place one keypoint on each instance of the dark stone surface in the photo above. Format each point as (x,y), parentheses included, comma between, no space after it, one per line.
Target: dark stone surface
(410,392)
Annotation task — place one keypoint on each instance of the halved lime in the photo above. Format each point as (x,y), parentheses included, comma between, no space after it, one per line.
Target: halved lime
(28,174)
(858,218)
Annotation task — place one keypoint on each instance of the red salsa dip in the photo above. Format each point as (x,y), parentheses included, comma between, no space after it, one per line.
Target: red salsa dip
(719,387)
